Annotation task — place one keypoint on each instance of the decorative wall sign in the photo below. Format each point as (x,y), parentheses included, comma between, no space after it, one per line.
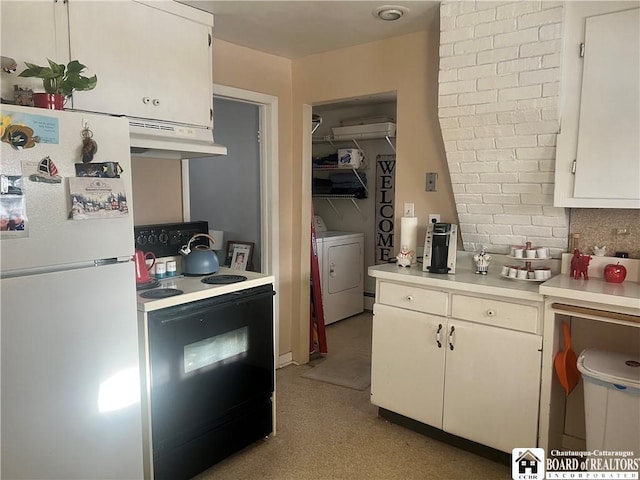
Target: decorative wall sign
(385,207)
(97,198)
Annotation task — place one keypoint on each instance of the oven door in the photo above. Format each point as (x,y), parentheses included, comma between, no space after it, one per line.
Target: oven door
(211,360)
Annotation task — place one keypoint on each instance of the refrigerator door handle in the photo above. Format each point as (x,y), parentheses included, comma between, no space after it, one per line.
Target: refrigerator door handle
(61,268)
(110,261)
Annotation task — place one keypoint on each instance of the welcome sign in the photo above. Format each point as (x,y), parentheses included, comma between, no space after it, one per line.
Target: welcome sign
(385,195)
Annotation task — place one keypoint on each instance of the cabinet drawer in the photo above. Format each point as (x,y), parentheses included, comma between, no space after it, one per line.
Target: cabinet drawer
(413,298)
(495,312)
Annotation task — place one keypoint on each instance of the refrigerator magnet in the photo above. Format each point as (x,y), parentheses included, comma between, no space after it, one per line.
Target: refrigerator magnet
(101,170)
(46,171)
(97,198)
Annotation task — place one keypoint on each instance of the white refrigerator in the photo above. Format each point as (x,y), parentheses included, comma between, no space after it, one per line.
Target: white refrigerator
(70,391)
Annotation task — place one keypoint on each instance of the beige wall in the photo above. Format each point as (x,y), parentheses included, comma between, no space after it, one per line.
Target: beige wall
(408,65)
(157,190)
(241,67)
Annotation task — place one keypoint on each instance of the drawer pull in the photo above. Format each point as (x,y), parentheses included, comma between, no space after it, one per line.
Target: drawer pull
(438,336)
(451,336)
(410,298)
(491,313)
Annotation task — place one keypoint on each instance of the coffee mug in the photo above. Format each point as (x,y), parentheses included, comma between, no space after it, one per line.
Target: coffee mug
(161,269)
(530,253)
(543,252)
(513,272)
(171,268)
(518,252)
(522,274)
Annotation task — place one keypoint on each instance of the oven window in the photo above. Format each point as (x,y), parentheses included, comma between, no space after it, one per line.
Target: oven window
(221,349)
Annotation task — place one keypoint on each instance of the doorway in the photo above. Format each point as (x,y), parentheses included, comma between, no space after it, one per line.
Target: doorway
(268,182)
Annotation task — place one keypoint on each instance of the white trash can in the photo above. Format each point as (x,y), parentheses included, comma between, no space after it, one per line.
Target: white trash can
(611,400)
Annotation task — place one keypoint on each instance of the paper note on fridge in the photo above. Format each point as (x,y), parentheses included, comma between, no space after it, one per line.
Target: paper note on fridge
(97,198)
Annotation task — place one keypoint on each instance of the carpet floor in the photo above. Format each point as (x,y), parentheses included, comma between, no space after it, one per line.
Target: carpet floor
(330,432)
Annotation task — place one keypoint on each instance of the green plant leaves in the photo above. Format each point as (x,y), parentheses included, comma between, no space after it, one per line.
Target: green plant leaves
(58,78)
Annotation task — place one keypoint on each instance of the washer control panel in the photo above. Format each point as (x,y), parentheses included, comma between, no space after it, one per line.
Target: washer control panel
(165,240)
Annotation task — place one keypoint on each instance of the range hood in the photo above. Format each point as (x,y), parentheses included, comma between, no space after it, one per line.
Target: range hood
(166,140)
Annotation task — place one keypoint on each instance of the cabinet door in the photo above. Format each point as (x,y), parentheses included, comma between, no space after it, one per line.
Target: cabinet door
(407,366)
(610,108)
(596,163)
(492,385)
(32,32)
(157,66)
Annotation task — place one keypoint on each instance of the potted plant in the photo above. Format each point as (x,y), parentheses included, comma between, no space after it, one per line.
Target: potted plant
(59,82)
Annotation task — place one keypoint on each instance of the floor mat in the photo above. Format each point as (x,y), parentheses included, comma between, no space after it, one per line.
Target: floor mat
(348,368)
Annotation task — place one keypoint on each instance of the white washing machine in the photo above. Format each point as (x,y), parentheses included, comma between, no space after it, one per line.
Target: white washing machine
(341,262)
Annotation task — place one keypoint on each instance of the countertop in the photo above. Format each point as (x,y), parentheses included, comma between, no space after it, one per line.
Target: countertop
(561,286)
(195,290)
(594,290)
(464,279)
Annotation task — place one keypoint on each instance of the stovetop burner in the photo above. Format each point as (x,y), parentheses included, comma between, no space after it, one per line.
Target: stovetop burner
(223,279)
(161,293)
(147,285)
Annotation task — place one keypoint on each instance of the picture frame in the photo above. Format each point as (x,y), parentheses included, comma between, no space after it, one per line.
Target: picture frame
(239,255)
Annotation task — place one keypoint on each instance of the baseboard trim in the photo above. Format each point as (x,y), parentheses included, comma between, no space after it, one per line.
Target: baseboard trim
(285,359)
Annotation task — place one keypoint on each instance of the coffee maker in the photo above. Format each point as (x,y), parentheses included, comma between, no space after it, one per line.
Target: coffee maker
(440,245)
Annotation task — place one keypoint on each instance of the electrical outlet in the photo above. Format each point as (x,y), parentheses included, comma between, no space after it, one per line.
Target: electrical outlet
(434,216)
(622,231)
(409,209)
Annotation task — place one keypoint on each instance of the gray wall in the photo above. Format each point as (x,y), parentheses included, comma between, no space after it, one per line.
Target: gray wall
(225,191)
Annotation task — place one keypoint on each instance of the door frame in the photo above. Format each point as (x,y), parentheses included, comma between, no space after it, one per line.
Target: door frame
(269,170)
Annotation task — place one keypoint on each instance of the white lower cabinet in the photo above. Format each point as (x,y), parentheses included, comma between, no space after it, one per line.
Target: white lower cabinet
(407,366)
(474,379)
(492,385)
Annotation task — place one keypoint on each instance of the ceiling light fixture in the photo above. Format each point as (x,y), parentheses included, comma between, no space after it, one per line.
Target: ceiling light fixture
(389,13)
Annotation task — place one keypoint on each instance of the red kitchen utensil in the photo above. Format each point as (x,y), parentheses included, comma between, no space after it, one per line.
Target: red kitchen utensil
(566,363)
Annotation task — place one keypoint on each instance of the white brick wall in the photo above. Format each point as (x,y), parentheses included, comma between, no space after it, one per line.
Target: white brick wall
(498,109)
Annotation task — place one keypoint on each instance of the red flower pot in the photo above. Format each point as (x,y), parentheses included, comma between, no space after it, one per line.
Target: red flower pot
(53,101)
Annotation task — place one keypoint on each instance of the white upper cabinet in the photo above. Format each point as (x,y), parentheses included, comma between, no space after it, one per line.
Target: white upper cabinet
(32,32)
(598,151)
(153,60)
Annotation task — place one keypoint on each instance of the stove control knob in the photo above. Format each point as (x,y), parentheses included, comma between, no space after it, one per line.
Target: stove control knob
(141,240)
(163,237)
(153,238)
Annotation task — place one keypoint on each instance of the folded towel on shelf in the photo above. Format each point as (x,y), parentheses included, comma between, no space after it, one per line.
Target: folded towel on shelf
(326,161)
(348,178)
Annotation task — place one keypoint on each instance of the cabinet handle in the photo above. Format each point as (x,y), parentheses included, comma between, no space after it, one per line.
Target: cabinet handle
(156,102)
(451,337)
(438,336)
(491,313)
(410,298)
(146,100)
(332,270)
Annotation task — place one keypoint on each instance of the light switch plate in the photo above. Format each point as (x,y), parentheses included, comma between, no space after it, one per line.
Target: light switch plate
(432,180)
(409,209)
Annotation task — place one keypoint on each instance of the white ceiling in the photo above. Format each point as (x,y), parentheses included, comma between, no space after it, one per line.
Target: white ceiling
(296,28)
